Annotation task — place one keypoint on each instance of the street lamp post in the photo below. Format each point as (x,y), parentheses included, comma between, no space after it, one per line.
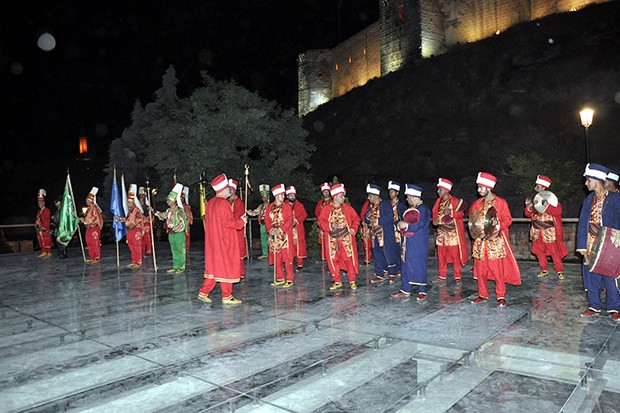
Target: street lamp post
(586,120)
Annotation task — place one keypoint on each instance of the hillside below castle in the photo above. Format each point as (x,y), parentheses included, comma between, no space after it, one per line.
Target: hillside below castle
(467,110)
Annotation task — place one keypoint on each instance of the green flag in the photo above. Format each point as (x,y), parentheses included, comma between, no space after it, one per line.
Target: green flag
(68,218)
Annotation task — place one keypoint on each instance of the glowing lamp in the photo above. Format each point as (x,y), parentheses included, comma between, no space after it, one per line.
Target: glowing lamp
(586,120)
(586,117)
(83,145)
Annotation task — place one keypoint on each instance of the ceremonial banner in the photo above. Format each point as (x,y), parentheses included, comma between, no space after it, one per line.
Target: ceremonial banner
(69,221)
(116,209)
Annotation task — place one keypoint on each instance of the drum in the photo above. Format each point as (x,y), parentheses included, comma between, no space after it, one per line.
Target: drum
(460,207)
(605,253)
(410,216)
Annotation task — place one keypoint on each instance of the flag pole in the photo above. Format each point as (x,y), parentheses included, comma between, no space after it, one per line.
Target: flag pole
(118,258)
(245,233)
(202,201)
(75,209)
(148,194)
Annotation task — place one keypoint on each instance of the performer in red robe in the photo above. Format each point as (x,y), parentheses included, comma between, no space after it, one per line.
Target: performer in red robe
(448,213)
(546,232)
(238,208)
(366,235)
(340,223)
(221,244)
(493,256)
(134,224)
(323,202)
(43,226)
(299,232)
(279,225)
(93,221)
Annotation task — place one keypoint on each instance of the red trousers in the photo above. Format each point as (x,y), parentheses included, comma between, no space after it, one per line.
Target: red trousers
(367,249)
(281,260)
(134,241)
(93,242)
(209,284)
(45,241)
(447,255)
(486,270)
(342,263)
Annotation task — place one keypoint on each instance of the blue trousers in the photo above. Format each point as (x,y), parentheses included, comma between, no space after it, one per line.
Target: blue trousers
(594,283)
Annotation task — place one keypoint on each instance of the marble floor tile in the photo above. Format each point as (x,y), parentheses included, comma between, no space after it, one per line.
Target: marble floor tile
(107,338)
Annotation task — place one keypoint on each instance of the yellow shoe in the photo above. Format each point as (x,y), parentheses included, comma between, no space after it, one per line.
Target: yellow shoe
(353,286)
(179,271)
(288,284)
(335,286)
(171,270)
(204,298)
(543,273)
(277,283)
(231,301)
(48,255)
(42,255)
(561,275)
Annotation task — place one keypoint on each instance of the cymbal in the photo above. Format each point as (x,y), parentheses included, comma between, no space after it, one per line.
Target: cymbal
(475,224)
(478,225)
(544,198)
(488,217)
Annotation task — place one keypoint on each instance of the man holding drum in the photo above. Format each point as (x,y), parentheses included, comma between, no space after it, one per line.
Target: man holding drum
(546,232)
(415,228)
(599,210)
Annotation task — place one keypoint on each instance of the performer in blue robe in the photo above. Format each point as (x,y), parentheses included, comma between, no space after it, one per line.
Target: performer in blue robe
(380,219)
(398,208)
(415,228)
(600,209)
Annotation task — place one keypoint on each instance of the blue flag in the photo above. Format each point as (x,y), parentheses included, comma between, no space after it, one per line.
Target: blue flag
(116,208)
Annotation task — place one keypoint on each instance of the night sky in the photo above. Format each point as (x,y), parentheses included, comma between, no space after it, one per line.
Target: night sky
(108,54)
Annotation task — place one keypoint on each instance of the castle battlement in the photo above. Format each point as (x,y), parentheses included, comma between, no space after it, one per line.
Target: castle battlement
(409,30)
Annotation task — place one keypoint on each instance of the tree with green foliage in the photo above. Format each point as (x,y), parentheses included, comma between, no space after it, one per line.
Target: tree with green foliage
(524,168)
(222,127)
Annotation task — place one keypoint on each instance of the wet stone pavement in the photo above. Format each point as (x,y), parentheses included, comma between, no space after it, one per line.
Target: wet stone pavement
(105,338)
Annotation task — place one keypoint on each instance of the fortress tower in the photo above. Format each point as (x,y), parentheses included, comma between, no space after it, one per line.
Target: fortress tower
(408,30)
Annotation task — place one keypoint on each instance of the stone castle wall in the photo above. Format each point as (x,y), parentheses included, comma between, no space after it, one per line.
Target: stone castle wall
(408,30)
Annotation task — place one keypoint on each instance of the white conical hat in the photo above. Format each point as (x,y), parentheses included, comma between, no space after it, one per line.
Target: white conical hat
(131,196)
(93,195)
(175,194)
